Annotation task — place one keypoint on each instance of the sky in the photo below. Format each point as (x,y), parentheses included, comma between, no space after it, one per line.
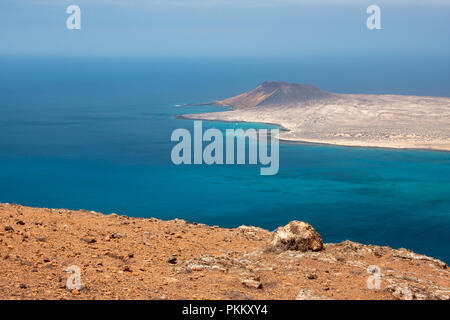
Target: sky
(221,28)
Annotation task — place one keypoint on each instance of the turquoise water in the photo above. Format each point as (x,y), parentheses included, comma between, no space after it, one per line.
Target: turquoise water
(95,134)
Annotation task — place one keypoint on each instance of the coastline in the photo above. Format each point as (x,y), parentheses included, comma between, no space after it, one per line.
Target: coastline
(187,117)
(192,116)
(138,258)
(288,135)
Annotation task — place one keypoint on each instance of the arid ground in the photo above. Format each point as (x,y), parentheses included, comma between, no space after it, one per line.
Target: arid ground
(134,258)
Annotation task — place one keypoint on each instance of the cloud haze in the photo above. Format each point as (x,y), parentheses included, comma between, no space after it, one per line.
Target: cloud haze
(221,27)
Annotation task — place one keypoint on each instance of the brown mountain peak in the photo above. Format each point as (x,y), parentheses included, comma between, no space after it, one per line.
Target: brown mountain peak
(276,93)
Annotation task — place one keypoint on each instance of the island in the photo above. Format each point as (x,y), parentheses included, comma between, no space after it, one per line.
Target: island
(310,114)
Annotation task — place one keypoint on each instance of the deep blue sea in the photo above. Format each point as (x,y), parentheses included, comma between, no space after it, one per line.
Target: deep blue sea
(94,133)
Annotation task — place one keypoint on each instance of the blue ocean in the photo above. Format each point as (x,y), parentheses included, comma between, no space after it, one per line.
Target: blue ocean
(94,133)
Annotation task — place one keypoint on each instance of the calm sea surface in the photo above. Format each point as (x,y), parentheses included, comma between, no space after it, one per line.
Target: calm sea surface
(95,134)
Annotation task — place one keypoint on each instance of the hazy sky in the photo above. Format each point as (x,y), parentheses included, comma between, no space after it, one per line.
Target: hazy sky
(221,27)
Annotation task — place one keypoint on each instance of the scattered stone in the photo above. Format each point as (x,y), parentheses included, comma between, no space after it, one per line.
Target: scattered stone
(115,256)
(20,222)
(311,276)
(127,269)
(250,283)
(75,292)
(236,295)
(307,294)
(89,240)
(378,253)
(401,292)
(197,267)
(180,221)
(172,260)
(117,235)
(9,229)
(24,262)
(169,280)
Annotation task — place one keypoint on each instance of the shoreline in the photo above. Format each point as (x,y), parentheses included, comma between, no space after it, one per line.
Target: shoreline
(191,116)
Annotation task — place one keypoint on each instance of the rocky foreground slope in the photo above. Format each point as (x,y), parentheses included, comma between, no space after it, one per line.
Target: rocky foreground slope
(119,257)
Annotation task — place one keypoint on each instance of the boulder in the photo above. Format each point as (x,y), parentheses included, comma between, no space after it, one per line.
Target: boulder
(296,235)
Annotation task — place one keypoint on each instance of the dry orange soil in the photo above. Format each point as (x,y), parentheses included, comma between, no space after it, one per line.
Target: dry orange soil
(132,258)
